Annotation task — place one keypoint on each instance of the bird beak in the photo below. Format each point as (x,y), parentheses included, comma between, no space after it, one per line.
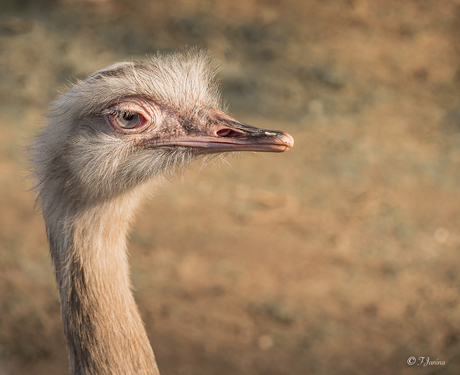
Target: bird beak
(226,134)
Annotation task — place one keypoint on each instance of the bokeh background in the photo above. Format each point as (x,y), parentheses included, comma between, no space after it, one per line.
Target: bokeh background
(338,257)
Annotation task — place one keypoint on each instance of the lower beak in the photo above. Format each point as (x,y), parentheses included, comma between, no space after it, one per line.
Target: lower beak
(228,135)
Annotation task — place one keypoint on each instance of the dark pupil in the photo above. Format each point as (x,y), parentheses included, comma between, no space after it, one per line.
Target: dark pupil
(128,116)
(129,119)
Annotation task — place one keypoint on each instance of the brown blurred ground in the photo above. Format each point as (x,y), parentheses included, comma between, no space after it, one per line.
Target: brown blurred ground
(339,257)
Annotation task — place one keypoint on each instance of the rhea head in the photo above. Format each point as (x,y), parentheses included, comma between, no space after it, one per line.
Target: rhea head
(133,120)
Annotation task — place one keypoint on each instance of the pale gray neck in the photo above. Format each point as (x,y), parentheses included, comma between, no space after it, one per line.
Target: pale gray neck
(103,327)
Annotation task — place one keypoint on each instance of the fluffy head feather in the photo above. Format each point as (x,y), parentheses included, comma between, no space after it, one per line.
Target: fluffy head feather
(74,155)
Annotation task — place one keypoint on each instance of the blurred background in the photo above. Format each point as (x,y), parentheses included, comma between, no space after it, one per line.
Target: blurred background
(338,257)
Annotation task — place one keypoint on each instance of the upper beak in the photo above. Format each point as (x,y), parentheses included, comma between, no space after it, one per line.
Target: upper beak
(227,134)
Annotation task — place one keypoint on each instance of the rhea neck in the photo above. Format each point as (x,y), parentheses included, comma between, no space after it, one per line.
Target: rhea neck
(102,324)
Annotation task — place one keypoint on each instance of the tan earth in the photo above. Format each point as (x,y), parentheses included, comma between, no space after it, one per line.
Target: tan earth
(338,257)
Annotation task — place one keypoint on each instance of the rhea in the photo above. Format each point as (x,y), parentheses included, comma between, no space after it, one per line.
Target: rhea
(106,144)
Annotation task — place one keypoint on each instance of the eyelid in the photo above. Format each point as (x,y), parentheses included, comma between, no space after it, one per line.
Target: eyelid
(149,110)
(119,112)
(116,109)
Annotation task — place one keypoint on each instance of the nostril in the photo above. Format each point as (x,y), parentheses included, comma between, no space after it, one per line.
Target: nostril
(229,133)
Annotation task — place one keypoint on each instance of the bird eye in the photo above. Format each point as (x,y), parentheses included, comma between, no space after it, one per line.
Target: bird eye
(128,119)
